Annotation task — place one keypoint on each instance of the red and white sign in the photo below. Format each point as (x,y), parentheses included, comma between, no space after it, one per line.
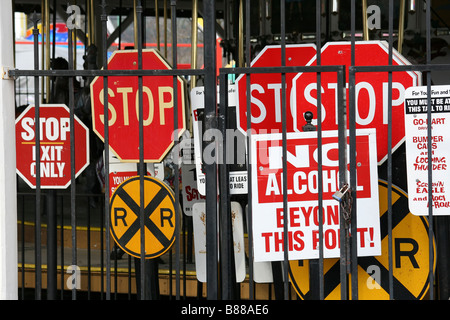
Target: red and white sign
(302,195)
(55,161)
(123,105)
(416,125)
(371,91)
(265,90)
(121,171)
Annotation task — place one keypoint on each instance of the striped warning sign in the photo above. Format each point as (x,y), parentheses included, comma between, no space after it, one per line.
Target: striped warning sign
(410,250)
(159,217)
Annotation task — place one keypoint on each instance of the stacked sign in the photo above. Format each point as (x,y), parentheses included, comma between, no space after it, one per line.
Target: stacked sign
(302,193)
(417,146)
(371,93)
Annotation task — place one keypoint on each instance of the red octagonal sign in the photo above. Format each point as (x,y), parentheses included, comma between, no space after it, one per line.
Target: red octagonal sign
(123,106)
(371,90)
(55,160)
(265,89)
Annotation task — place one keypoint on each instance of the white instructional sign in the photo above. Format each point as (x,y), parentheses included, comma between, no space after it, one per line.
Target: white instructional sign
(416,127)
(302,193)
(238,178)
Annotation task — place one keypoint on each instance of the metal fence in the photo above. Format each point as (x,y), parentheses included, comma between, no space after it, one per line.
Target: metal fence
(220,272)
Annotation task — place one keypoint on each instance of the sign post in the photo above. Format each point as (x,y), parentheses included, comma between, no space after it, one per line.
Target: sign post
(417,148)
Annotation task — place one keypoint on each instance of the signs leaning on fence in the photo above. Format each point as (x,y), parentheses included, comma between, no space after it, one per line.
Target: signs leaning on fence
(417,144)
(302,194)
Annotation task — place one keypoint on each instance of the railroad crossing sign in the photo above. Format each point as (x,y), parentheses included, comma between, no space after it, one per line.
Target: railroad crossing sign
(410,258)
(265,89)
(55,159)
(371,90)
(123,105)
(159,217)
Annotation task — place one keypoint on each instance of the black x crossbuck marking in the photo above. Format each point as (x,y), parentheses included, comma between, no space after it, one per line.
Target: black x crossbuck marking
(148,211)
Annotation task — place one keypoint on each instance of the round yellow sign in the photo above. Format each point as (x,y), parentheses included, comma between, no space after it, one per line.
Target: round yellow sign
(410,246)
(159,217)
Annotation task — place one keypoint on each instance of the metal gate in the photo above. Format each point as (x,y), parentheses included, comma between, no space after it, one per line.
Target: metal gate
(173,277)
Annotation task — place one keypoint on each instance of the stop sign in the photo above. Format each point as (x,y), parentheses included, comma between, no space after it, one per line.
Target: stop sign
(55,161)
(266,89)
(123,106)
(371,90)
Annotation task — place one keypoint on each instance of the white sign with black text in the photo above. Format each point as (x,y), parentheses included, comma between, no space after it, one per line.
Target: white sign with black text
(417,146)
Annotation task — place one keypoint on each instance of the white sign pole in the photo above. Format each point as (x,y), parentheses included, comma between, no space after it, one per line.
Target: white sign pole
(8,189)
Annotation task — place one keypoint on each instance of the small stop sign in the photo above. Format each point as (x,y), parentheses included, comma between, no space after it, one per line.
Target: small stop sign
(123,106)
(55,161)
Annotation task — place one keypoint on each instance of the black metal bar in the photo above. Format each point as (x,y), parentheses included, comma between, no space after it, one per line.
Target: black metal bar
(73,219)
(61,233)
(430,152)
(284,151)
(342,137)
(319,148)
(198,72)
(389,159)
(141,167)
(251,286)
(51,245)
(226,235)
(173,5)
(104,20)
(209,38)
(352,133)
(38,258)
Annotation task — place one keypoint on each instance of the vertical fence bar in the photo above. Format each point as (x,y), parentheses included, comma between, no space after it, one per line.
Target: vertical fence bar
(38,258)
(226,227)
(352,133)
(342,137)
(429,136)
(284,152)
(176,184)
(141,168)
(249,155)
(319,148)
(389,160)
(73,221)
(209,38)
(104,20)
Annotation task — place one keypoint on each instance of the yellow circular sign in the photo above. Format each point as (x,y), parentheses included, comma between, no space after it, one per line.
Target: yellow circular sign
(410,246)
(159,217)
